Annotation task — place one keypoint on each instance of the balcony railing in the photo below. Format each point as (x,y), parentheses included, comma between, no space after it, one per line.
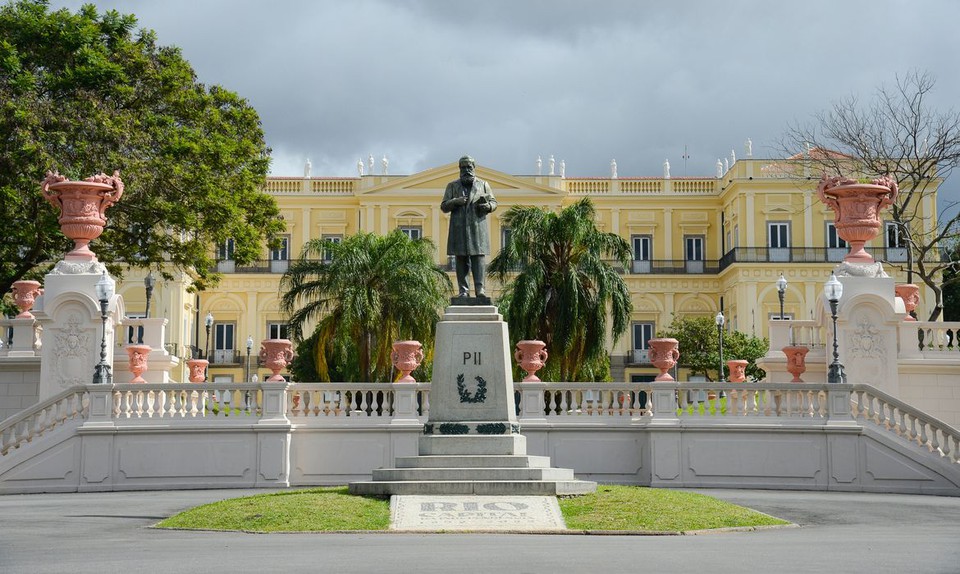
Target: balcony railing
(805,255)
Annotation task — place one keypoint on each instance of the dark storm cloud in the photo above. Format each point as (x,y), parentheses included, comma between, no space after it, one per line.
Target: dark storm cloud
(424,82)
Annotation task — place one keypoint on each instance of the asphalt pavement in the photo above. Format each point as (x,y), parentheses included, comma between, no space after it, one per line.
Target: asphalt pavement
(106,533)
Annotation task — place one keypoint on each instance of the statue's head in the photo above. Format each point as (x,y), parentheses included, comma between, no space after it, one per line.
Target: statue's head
(467,169)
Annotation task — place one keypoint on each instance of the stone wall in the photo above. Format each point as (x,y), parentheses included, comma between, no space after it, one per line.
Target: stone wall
(19,384)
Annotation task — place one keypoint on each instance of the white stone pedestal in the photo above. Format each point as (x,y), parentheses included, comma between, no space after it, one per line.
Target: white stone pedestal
(69,314)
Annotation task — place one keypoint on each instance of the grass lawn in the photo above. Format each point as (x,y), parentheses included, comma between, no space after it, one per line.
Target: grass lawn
(330,509)
(654,509)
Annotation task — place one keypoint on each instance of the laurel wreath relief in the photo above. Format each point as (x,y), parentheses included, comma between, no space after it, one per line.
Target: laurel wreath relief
(465,396)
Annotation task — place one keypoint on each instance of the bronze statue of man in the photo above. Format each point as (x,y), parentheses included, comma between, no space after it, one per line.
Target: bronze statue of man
(468,200)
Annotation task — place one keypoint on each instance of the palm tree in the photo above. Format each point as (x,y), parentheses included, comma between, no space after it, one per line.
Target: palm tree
(563,289)
(371,291)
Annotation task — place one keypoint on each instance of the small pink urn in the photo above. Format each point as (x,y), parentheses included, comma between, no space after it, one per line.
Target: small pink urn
(198,370)
(910,294)
(276,354)
(138,361)
(856,208)
(738,370)
(406,357)
(25,293)
(796,361)
(82,207)
(531,355)
(664,354)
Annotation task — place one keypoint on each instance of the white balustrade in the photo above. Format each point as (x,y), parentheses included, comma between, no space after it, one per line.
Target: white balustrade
(70,405)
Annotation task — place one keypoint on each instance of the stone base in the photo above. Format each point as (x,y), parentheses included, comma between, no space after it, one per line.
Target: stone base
(478,300)
(850,269)
(473,465)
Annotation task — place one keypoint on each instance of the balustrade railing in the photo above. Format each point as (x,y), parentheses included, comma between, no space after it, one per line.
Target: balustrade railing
(321,404)
(871,406)
(70,405)
(180,401)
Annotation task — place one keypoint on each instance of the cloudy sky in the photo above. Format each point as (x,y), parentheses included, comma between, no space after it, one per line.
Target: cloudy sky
(426,81)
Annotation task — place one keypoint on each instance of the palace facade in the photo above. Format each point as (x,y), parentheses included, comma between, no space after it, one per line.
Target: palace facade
(700,245)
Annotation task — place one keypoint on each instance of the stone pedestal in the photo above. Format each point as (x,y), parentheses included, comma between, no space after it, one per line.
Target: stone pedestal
(472,389)
(471,443)
(869,317)
(162,363)
(69,314)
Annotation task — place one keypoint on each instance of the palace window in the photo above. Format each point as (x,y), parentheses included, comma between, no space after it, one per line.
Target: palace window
(778,240)
(412,231)
(642,333)
(224,343)
(642,252)
(277,330)
(327,253)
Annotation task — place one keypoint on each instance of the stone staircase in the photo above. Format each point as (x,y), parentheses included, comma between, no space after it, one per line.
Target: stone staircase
(481,465)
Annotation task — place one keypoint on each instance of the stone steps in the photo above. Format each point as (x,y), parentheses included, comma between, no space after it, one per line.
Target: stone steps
(459,474)
(473,461)
(479,487)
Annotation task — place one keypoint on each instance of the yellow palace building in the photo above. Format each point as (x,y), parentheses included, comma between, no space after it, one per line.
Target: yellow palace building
(700,245)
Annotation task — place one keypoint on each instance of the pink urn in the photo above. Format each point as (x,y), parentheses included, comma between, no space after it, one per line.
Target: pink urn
(796,361)
(910,294)
(25,293)
(138,361)
(198,370)
(276,354)
(856,208)
(664,354)
(82,207)
(738,370)
(406,357)
(531,355)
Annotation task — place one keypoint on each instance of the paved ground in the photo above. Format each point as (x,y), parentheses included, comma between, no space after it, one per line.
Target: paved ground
(847,533)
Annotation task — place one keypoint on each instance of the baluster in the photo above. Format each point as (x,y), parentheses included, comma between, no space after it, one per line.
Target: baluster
(923,434)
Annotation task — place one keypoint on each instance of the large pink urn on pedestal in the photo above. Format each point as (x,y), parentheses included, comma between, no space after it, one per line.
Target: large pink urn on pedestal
(910,294)
(856,208)
(138,361)
(531,355)
(796,361)
(82,206)
(198,370)
(738,370)
(276,354)
(25,293)
(406,357)
(663,354)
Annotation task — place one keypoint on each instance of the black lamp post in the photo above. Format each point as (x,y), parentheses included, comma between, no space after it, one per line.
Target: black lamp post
(102,373)
(249,348)
(148,283)
(719,320)
(208,321)
(833,290)
(781,291)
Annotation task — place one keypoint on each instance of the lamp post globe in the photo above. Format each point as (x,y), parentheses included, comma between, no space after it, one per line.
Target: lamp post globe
(833,290)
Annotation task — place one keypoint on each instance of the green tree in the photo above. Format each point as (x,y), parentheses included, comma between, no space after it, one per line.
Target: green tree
(564,292)
(700,347)
(372,291)
(87,92)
